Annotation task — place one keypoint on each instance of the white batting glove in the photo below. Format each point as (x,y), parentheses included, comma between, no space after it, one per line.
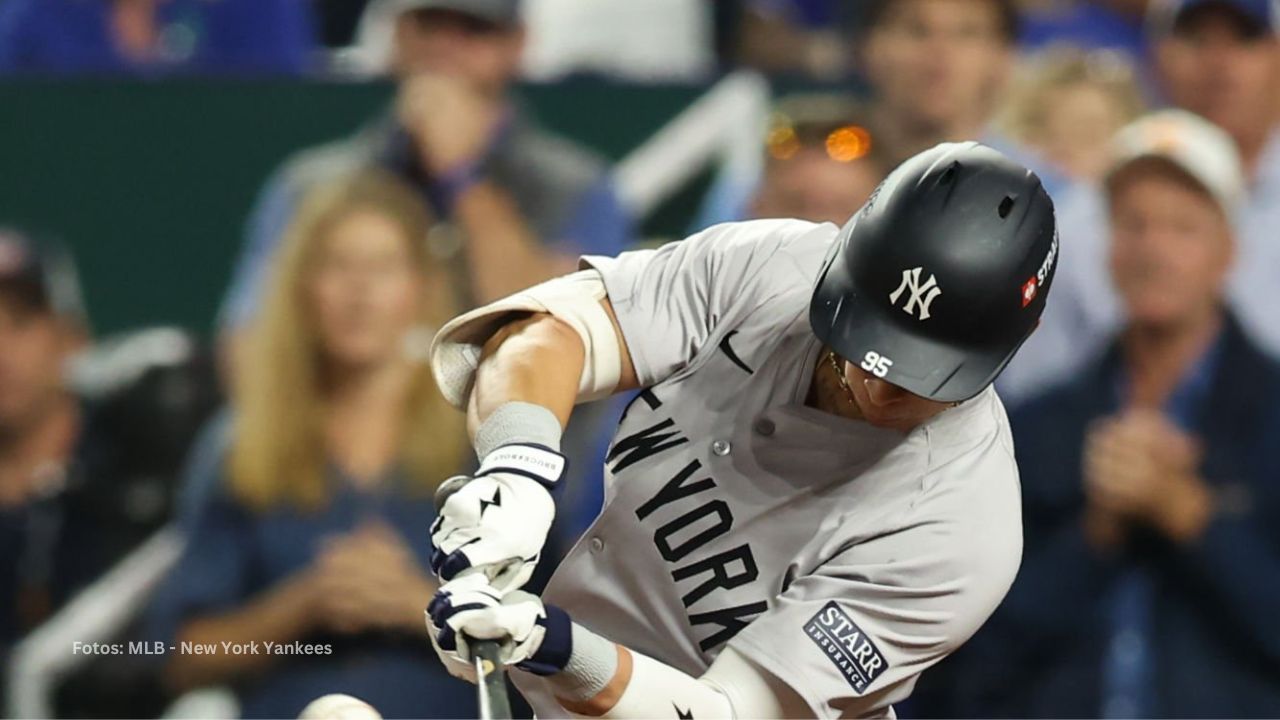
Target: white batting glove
(532,636)
(499,520)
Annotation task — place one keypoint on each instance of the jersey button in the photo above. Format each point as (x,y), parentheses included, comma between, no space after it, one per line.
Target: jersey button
(721,447)
(765,427)
(597,545)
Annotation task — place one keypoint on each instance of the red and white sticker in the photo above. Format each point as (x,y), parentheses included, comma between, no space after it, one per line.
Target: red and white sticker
(1031,288)
(1029,291)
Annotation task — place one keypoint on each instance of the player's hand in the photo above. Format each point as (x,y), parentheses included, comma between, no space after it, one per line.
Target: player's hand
(499,520)
(532,636)
(451,120)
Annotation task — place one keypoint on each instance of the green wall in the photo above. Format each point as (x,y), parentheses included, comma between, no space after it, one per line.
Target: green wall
(150,183)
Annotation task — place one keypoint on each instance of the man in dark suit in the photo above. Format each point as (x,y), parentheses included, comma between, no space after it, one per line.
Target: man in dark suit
(1150,581)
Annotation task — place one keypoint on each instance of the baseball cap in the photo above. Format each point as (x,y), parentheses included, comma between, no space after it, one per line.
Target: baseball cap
(1196,146)
(1262,16)
(371,53)
(505,13)
(42,276)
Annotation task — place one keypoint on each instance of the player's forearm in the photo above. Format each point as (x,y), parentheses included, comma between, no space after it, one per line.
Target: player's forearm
(536,360)
(604,679)
(598,674)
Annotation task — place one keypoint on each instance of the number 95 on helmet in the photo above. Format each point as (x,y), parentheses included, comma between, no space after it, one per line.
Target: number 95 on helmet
(937,281)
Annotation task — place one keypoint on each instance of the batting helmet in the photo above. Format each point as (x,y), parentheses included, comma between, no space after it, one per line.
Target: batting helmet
(935,283)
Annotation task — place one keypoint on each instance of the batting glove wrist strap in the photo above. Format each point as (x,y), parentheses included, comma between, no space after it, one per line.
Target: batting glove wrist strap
(532,636)
(536,462)
(552,654)
(591,666)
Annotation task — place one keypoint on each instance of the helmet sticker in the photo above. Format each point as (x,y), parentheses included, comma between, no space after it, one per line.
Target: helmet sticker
(922,295)
(1029,291)
(1031,288)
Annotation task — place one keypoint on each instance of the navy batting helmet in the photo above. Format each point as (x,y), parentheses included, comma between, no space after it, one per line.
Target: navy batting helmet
(935,283)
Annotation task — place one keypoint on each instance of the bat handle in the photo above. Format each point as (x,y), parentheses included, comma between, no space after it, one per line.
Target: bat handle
(490,680)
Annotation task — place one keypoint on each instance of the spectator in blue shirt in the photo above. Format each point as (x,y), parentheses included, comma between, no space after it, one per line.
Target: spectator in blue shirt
(314,535)
(1221,60)
(520,204)
(937,71)
(1151,572)
(155,37)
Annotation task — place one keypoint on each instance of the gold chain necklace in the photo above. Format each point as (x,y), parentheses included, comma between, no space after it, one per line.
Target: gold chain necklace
(840,378)
(844,383)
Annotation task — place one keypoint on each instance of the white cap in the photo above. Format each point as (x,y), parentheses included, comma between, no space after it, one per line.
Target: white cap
(1201,149)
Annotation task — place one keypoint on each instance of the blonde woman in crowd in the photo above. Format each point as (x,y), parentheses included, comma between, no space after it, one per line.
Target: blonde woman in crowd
(1067,105)
(305,572)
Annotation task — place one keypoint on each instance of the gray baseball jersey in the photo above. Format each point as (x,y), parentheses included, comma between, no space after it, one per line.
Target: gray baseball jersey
(841,558)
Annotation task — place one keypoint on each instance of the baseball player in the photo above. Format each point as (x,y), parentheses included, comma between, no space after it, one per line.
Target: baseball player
(813,497)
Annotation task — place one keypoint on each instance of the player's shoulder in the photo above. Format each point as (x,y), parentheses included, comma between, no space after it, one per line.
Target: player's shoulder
(794,238)
(772,256)
(976,429)
(971,491)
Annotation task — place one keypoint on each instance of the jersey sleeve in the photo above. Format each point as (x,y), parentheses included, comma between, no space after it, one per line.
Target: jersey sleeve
(670,300)
(852,637)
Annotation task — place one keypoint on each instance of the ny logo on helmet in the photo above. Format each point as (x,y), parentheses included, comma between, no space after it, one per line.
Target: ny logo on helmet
(922,296)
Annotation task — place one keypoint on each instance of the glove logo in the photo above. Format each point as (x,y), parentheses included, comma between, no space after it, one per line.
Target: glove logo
(847,646)
(495,502)
(922,295)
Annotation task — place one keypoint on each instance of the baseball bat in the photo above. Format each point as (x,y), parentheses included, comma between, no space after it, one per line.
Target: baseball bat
(491,680)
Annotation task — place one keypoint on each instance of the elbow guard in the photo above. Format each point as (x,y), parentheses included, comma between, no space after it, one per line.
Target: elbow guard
(573,299)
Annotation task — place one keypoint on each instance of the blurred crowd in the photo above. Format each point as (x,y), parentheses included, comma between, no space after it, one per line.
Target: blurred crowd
(288,459)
